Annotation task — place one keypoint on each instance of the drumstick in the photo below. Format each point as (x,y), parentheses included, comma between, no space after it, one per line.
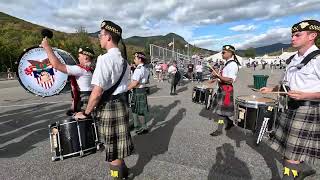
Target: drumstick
(214,71)
(257,90)
(276,92)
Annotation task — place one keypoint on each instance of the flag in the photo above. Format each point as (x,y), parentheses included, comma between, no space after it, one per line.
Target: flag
(170,44)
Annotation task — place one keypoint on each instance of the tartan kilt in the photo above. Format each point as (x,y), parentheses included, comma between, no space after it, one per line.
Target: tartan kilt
(113,123)
(219,107)
(84,98)
(139,101)
(297,134)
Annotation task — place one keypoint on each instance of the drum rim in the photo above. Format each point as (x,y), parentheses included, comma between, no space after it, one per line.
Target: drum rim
(256,102)
(18,62)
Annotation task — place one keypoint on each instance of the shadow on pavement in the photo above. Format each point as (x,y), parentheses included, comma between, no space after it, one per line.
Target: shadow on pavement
(20,129)
(154,143)
(269,155)
(228,164)
(185,88)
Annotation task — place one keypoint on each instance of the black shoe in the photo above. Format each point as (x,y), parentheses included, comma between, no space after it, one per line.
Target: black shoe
(305,171)
(171,94)
(216,133)
(119,172)
(229,126)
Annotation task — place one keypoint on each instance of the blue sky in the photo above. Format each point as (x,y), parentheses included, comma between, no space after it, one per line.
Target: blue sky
(205,23)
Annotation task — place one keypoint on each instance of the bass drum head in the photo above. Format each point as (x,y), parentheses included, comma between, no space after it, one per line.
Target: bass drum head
(36,74)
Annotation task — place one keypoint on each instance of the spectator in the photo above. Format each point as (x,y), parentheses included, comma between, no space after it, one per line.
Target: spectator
(159,72)
(199,70)
(190,71)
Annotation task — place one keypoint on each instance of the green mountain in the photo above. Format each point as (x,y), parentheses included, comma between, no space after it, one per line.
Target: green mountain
(17,35)
(163,41)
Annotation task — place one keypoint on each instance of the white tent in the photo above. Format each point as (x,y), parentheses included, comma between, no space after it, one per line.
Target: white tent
(218,57)
(286,55)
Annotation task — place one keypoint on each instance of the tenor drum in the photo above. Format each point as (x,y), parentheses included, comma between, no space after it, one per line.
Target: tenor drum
(71,137)
(36,74)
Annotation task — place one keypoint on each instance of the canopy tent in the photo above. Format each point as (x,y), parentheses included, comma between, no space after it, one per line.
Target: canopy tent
(286,55)
(218,57)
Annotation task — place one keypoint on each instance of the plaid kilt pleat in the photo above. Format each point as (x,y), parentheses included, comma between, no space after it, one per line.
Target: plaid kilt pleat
(139,102)
(297,134)
(219,107)
(84,98)
(113,121)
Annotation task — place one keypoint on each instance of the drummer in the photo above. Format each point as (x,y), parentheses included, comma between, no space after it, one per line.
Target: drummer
(224,105)
(80,75)
(297,134)
(137,85)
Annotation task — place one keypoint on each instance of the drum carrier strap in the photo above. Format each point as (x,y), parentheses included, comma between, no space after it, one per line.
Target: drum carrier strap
(294,103)
(306,60)
(227,88)
(107,94)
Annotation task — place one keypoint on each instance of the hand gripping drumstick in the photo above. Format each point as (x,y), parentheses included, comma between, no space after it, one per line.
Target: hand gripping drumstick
(46,33)
(213,70)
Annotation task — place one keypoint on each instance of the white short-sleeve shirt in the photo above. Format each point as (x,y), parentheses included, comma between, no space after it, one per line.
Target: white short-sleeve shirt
(83,77)
(141,74)
(172,69)
(307,79)
(231,70)
(199,68)
(158,67)
(108,71)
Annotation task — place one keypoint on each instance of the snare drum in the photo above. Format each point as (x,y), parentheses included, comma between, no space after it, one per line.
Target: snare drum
(257,114)
(71,137)
(36,74)
(202,95)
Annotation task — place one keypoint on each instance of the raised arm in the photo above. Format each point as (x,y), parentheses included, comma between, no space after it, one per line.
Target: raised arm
(52,57)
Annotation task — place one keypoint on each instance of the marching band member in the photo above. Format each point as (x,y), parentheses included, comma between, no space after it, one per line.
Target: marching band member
(80,75)
(139,98)
(224,105)
(109,95)
(297,134)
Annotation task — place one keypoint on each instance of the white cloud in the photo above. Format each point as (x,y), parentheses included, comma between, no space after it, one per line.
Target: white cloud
(314,16)
(243,28)
(272,36)
(149,17)
(216,43)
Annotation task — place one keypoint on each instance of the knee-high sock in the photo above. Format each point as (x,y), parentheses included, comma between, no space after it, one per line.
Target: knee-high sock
(136,121)
(221,121)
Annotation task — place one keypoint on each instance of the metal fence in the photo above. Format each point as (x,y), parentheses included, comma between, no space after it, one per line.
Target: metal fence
(161,54)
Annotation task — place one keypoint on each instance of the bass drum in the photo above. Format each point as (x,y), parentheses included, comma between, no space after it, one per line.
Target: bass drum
(36,74)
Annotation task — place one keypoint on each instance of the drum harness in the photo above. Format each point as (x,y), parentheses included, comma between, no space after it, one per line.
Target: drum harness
(288,101)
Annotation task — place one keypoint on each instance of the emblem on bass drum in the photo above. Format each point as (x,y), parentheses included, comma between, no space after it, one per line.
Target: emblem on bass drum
(36,74)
